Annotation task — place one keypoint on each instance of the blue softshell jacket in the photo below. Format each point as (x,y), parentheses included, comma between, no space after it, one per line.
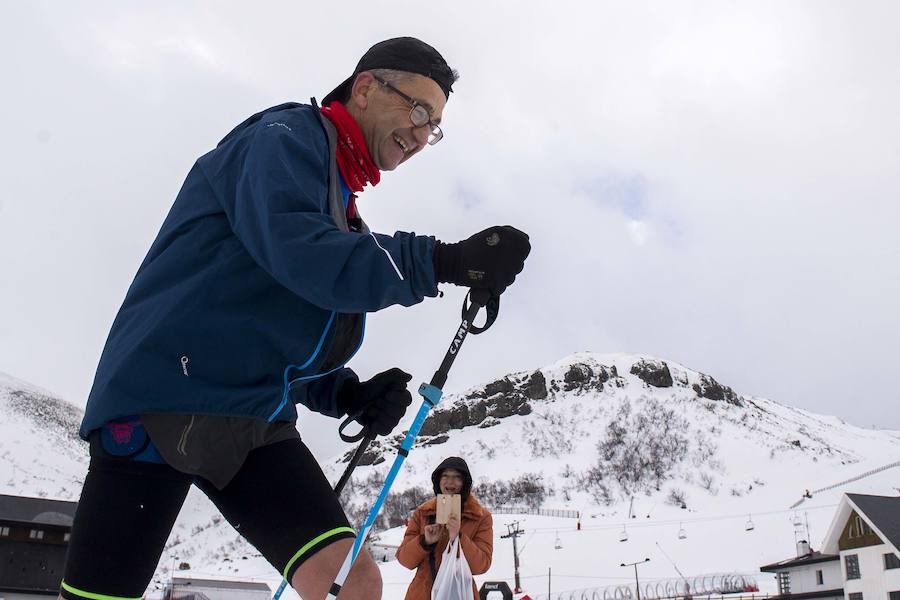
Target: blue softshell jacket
(254,293)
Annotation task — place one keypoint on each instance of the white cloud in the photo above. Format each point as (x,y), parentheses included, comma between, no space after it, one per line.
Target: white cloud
(711,182)
(639,232)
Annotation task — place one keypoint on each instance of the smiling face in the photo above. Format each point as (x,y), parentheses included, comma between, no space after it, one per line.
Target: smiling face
(451,482)
(383,116)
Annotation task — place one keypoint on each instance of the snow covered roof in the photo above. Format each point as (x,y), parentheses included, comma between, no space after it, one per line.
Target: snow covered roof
(221,584)
(40,511)
(837,592)
(809,559)
(881,513)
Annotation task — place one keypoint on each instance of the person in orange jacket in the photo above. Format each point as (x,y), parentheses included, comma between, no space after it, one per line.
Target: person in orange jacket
(424,540)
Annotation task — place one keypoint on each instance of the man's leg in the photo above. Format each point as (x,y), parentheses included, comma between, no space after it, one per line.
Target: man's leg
(313,578)
(281,502)
(123,519)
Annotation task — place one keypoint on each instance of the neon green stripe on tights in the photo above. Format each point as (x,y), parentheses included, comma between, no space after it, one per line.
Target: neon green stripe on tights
(92,595)
(307,546)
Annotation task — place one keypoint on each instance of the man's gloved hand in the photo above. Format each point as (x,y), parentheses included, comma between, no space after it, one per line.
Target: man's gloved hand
(490,259)
(382,399)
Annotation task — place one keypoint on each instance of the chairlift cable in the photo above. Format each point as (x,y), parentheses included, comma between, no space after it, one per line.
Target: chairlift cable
(809,493)
(639,524)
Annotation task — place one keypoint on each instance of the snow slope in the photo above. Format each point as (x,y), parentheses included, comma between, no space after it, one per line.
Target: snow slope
(40,452)
(760,457)
(632,442)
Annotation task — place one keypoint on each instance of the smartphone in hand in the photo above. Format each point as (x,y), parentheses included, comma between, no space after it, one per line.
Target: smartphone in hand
(447,504)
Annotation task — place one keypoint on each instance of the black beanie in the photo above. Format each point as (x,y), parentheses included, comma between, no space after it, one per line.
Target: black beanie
(454,462)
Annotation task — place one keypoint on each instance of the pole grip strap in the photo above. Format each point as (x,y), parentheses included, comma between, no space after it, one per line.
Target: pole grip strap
(356,436)
(489,301)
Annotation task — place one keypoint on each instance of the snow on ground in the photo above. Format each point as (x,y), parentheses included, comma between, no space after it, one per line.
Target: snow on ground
(40,454)
(761,458)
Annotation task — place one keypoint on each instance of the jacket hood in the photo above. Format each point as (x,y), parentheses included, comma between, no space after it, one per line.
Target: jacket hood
(454,462)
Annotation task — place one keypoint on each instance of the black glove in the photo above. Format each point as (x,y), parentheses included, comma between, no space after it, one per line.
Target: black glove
(381,401)
(490,259)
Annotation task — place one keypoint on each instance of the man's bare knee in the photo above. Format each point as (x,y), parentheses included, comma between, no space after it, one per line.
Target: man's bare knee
(313,578)
(364,581)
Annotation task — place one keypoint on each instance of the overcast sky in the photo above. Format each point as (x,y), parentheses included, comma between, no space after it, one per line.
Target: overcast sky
(713,183)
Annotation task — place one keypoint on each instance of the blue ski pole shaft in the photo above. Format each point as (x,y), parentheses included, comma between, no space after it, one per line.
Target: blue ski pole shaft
(431,395)
(373,512)
(367,439)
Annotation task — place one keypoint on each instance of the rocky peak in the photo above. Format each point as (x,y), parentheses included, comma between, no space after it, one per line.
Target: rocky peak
(653,372)
(584,377)
(515,394)
(496,400)
(713,390)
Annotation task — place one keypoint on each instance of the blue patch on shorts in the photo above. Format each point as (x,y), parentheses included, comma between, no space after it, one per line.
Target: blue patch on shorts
(127,438)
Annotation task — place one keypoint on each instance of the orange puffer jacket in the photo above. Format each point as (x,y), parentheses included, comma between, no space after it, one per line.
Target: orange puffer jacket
(476,534)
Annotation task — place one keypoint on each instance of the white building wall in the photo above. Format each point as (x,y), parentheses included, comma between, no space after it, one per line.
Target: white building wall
(18,596)
(875,582)
(803,578)
(225,594)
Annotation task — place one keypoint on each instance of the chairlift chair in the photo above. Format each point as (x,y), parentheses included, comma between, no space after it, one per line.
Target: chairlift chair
(749,526)
(623,537)
(682,534)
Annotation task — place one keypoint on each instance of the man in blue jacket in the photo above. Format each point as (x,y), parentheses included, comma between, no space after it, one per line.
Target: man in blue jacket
(251,299)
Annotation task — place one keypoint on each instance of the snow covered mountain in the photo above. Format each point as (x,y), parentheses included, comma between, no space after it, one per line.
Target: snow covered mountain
(681,465)
(600,429)
(40,451)
(647,449)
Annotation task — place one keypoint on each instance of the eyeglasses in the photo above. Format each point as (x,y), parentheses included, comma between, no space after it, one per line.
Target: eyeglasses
(418,114)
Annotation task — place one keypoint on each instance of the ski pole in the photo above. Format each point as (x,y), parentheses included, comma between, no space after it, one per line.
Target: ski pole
(353,462)
(367,436)
(431,395)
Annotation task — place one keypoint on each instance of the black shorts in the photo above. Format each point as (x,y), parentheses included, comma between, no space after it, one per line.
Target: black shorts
(280,499)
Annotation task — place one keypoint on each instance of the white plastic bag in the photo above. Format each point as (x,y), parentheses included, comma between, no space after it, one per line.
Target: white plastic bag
(454,578)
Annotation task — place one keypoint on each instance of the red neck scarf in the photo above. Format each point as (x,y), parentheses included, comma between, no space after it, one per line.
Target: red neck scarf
(353,158)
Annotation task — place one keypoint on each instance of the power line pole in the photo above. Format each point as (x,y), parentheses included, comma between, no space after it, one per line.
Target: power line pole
(514,532)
